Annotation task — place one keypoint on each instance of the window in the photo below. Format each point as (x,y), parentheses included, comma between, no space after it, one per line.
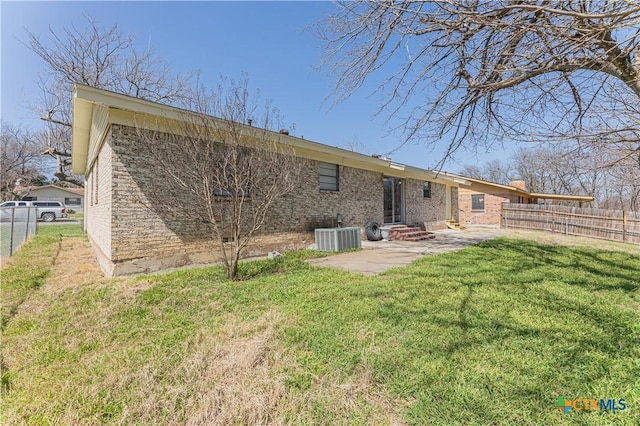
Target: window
(94,174)
(14,204)
(426,190)
(477,202)
(328,177)
(29,198)
(72,201)
(47,204)
(220,192)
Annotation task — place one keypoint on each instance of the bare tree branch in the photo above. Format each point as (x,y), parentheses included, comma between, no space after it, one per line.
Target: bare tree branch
(476,71)
(102,57)
(232,174)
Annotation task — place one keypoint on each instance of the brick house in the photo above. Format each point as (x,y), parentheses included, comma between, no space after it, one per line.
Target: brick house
(480,202)
(129,237)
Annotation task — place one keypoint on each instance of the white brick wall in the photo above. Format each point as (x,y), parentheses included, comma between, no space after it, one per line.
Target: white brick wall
(98,208)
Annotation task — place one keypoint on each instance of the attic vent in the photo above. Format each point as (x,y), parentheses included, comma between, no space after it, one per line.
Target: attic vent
(338,239)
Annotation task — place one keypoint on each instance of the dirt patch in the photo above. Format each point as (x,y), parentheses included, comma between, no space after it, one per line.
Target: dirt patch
(75,265)
(234,381)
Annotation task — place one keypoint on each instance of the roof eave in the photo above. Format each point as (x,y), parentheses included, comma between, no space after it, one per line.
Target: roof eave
(563,197)
(85,97)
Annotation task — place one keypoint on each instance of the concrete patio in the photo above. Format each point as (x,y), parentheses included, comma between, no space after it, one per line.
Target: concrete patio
(378,256)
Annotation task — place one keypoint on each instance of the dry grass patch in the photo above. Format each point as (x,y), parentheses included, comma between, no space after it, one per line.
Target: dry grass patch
(554,239)
(234,383)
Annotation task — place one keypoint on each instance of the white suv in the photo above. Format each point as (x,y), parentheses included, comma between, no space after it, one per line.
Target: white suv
(48,211)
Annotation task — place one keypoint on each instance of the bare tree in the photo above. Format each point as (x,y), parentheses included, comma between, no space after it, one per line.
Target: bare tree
(478,71)
(598,171)
(223,173)
(99,57)
(21,162)
(492,171)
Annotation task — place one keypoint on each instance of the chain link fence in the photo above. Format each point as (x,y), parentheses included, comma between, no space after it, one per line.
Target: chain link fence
(17,224)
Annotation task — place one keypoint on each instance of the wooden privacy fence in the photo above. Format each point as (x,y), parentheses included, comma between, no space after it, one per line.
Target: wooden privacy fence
(615,225)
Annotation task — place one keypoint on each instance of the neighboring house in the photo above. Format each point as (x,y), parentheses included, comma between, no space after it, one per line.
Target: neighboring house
(130,233)
(73,198)
(480,201)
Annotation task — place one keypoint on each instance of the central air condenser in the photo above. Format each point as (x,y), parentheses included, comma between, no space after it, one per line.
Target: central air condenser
(338,239)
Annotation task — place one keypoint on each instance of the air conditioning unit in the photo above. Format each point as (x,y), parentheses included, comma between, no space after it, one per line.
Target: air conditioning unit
(338,239)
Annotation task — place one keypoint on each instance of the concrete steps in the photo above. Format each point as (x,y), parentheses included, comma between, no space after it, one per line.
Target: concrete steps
(408,233)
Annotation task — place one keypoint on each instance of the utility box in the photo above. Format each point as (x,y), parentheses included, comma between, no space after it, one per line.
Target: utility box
(338,239)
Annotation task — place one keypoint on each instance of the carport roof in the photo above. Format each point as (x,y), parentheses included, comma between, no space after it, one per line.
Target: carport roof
(467,181)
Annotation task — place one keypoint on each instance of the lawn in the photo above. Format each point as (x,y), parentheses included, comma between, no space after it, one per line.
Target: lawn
(492,334)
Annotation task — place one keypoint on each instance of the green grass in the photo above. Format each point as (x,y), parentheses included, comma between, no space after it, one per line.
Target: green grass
(492,334)
(30,266)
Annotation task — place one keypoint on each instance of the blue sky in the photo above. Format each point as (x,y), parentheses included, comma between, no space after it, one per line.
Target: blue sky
(270,41)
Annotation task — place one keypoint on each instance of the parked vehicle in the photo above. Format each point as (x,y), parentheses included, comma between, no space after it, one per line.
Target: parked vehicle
(48,211)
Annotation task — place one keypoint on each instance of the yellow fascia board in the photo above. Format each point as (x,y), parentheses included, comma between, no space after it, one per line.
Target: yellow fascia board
(80,134)
(562,197)
(127,110)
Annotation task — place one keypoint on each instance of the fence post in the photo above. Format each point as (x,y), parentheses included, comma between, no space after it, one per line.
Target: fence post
(26,231)
(13,214)
(625,236)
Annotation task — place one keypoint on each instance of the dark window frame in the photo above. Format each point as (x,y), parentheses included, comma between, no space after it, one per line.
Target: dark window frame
(224,194)
(426,190)
(478,200)
(327,179)
(77,201)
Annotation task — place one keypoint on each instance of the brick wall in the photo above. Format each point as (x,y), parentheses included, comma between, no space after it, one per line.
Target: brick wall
(140,229)
(419,209)
(98,205)
(146,236)
(493,199)
(358,200)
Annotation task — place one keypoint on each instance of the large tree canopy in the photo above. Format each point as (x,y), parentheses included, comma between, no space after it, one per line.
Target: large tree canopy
(476,71)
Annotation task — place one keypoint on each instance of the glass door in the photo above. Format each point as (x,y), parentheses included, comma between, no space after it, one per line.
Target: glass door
(393,200)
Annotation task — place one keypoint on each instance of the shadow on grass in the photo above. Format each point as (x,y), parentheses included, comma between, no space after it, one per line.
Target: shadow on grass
(527,262)
(288,261)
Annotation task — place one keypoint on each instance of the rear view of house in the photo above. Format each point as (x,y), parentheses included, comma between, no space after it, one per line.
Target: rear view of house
(131,232)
